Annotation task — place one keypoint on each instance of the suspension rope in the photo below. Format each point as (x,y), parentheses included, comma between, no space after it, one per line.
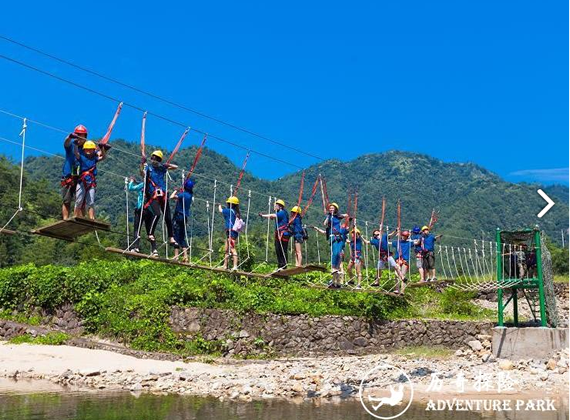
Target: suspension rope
(107,135)
(21,188)
(178,145)
(241,174)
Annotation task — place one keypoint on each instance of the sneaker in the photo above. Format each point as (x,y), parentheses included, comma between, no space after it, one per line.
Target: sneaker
(358,287)
(234,269)
(375,284)
(331,285)
(154,254)
(434,279)
(136,250)
(351,283)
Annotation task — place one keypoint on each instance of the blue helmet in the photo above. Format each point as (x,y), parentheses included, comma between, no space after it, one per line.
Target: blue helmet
(188,184)
(416,229)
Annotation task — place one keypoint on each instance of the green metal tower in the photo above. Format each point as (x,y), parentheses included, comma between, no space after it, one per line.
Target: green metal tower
(528,277)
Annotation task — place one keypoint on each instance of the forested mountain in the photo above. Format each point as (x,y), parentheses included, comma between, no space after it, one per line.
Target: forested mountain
(471,200)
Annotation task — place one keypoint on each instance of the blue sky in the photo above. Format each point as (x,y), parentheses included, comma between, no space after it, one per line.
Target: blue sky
(483,81)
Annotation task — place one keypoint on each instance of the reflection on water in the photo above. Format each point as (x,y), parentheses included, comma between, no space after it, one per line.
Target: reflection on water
(118,406)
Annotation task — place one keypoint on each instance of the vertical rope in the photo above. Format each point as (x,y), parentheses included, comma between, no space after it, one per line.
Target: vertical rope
(127,207)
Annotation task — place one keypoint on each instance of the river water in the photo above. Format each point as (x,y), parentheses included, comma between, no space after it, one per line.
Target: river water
(29,401)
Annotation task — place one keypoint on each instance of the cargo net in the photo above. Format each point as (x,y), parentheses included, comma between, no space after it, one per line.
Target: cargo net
(548,281)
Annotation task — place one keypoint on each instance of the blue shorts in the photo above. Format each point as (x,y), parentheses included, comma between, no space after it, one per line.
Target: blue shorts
(178,231)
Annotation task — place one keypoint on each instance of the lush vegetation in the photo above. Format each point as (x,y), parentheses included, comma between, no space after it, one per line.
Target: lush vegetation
(131,301)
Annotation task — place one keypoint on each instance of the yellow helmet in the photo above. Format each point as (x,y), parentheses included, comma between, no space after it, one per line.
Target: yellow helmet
(280,202)
(425,227)
(89,145)
(335,205)
(356,230)
(233,200)
(296,209)
(158,154)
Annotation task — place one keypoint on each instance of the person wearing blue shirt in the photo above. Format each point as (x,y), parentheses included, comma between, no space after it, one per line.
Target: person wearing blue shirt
(355,244)
(401,259)
(69,171)
(298,233)
(155,197)
(138,187)
(337,233)
(417,247)
(231,216)
(428,249)
(183,199)
(88,156)
(282,233)
(380,243)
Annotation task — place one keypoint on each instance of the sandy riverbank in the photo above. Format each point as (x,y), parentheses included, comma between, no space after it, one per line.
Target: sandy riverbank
(319,377)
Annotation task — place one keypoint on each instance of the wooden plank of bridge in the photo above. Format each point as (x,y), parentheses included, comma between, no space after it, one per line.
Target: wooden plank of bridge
(7,232)
(297,270)
(70,229)
(187,265)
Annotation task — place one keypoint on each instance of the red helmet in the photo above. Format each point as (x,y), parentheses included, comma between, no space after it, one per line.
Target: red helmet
(406,233)
(80,129)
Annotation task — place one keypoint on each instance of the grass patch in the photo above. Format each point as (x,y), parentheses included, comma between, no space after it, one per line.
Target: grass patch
(131,301)
(54,338)
(558,278)
(428,352)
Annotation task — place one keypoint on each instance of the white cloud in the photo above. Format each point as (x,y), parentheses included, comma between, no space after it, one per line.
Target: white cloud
(548,175)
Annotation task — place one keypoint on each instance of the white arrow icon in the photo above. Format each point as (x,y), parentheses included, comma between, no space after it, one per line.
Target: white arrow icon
(548,206)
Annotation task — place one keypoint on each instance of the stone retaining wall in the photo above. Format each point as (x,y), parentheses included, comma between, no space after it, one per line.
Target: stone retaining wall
(302,335)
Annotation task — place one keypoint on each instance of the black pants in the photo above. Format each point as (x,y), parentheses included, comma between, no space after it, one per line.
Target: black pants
(152,217)
(281,247)
(137,227)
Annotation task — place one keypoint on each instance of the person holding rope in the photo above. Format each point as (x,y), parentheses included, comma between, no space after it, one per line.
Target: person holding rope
(401,261)
(336,232)
(183,198)
(428,250)
(155,201)
(282,233)
(231,215)
(138,187)
(70,170)
(380,242)
(355,242)
(417,242)
(299,234)
(88,157)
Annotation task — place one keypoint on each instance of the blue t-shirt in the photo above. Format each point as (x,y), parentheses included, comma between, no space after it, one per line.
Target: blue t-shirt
(358,243)
(384,243)
(229,217)
(137,187)
(335,224)
(282,220)
(403,250)
(88,166)
(416,237)
(70,161)
(297,225)
(428,243)
(375,242)
(183,203)
(156,173)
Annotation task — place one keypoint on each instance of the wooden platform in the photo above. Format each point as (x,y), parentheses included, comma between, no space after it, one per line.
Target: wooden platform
(293,271)
(70,229)
(7,232)
(187,265)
